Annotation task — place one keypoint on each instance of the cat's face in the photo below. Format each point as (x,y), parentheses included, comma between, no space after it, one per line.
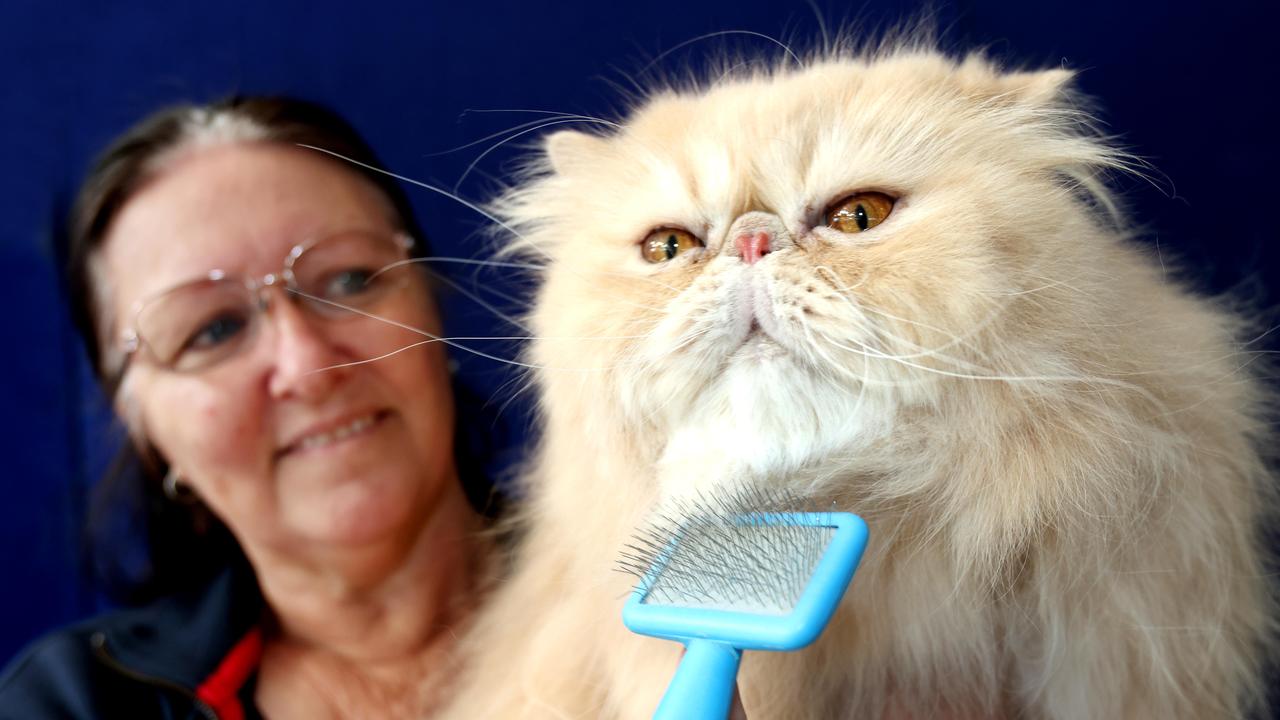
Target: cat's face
(775,268)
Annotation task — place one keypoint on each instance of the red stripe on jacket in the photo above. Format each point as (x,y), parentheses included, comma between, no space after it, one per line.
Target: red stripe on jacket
(221,690)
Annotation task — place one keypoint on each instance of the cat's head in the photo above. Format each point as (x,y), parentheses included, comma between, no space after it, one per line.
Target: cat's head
(778,265)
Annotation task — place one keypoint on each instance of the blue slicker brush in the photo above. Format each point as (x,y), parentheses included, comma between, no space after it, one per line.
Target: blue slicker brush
(724,578)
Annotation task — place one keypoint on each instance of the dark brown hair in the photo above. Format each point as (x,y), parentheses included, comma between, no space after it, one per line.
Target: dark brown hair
(184,544)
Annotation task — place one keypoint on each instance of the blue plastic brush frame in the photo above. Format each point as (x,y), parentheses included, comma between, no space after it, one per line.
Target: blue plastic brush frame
(714,639)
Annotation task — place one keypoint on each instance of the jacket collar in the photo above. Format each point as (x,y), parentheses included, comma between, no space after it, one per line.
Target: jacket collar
(187,639)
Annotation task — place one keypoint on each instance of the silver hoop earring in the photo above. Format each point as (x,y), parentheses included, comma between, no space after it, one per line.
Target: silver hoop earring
(177,490)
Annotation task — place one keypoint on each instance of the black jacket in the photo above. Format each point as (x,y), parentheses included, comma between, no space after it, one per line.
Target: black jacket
(189,657)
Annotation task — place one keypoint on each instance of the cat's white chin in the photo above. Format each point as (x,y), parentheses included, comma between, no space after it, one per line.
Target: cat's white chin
(758,346)
(765,421)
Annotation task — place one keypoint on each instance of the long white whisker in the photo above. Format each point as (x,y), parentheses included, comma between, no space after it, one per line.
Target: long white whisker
(383,356)
(427,186)
(486,138)
(1259,338)
(475,297)
(454,341)
(750,33)
(462,261)
(1013,378)
(536,111)
(521,126)
(431,337)
(468,204)
(532,267)
(935,352)
(506,140)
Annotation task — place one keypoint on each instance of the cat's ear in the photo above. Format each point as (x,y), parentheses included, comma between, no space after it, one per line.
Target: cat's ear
(568,149)
(1037,87)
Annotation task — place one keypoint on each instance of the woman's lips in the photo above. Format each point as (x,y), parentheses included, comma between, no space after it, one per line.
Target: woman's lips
(330,434)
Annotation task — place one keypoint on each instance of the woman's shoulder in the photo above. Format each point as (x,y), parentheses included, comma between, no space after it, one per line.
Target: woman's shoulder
(140,662)
(60,675)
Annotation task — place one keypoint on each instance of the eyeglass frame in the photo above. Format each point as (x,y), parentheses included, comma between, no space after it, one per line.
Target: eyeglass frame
(132,342)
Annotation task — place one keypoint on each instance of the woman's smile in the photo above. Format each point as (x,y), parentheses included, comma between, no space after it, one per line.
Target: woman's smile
(328,434)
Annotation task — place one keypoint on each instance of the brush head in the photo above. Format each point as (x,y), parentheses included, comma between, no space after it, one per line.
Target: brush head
(750,569)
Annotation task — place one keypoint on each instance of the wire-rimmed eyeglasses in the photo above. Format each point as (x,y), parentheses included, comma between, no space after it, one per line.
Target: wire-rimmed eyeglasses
(200,323)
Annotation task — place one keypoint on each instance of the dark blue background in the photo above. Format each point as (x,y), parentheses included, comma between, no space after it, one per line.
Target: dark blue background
(1184,85)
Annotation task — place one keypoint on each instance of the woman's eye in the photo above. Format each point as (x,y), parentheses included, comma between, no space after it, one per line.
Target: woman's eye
(347,283)
(858,212)
(216,331)
(664,244)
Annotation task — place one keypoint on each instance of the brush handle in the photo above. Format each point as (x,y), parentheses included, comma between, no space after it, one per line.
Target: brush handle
(703,686)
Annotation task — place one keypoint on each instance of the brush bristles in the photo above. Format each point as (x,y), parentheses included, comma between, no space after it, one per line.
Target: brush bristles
(744,552)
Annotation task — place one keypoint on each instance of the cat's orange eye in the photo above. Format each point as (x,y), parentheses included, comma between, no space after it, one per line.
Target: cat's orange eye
(858,212)
(664,244)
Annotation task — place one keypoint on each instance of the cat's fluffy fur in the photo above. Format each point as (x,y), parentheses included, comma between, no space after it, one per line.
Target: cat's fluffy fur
(1055,445)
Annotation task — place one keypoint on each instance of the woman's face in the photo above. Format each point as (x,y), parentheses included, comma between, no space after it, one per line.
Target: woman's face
(291,452)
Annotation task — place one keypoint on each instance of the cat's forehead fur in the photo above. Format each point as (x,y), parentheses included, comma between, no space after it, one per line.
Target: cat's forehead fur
(837,105)
(791,139)
(837,87)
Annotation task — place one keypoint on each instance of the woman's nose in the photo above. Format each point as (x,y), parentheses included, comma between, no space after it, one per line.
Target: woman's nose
(306,360)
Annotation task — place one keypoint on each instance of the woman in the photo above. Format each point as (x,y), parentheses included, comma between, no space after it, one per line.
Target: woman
(233,298)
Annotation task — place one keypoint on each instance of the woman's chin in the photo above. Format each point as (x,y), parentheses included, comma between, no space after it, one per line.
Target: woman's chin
(359,513)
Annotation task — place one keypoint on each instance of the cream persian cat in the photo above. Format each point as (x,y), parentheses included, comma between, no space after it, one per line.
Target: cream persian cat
(894,283)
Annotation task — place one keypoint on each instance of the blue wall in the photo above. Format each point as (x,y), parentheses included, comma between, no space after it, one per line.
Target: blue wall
(1185,86)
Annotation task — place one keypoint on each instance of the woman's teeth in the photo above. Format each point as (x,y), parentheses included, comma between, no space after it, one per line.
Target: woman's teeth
(333,436)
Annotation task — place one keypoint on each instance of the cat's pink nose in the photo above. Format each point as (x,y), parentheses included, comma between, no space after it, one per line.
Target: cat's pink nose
(752,246)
